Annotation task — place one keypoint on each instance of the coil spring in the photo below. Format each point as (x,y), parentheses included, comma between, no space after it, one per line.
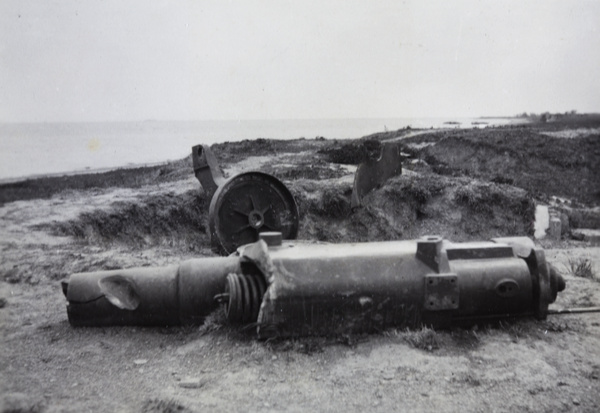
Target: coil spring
(244,293)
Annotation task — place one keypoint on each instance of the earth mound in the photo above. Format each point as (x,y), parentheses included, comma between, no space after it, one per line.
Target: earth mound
(524,157)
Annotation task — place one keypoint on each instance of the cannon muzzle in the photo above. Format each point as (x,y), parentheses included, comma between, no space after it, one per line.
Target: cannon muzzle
(172,295)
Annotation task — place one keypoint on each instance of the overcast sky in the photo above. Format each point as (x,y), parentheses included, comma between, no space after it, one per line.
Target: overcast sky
(94,60)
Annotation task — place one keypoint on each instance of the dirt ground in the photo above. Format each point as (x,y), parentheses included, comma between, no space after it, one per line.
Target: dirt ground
(526,365)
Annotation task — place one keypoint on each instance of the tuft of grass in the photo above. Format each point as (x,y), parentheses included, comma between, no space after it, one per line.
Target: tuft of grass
(522,329)
(163,406)
(423,188)
(582,268)
(466,338)
(480,198)
(214,321)
(334,204)
(424,339)
(304,345)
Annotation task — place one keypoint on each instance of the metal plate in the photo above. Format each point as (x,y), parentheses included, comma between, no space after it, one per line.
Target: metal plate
(248,204)
(374,172)
(441,292)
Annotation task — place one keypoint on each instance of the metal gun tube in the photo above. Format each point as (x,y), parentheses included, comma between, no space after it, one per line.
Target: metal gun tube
(296,288)
(172,295)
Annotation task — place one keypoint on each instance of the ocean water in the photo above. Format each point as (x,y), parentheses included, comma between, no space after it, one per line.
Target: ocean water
(31,149)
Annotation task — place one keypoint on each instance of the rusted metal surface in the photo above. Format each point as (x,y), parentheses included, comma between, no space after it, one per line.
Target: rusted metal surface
(384,163)
(294,288)
(243,206)
(206,169)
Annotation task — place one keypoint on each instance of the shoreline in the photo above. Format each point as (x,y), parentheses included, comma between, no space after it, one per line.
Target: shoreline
(94,171)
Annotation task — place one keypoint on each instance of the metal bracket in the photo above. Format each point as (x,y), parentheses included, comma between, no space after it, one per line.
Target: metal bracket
(206,169)
(375,171)
(441,292)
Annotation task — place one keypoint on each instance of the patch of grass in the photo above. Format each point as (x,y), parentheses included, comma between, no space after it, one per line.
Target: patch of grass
(425,339)
(466,337)
(582,268)
(560,326)
(478,198)
(46,187)
(214,321)
(521,157)
(522,329)
(514,329)
(334,204)
(485,197)
(163,406)
(423,188)
(331,202)
(353,153)
(314,171)
(303,345)
(165,219)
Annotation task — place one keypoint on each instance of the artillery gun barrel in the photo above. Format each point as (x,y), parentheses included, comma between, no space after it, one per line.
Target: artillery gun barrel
(294,288)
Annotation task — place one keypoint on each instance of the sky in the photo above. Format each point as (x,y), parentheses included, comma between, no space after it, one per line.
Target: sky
(115,60)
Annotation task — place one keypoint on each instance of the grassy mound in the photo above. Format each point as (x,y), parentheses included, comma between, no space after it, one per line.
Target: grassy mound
(523,157)
(164,219)
(46,187)
(408,207)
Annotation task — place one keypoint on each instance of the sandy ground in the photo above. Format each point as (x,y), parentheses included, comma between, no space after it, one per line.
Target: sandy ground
(48,366)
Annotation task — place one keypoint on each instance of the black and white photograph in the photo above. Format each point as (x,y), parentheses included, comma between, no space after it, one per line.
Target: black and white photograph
(299,206)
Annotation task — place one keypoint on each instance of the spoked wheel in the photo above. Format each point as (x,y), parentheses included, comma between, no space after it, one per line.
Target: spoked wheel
(248,204)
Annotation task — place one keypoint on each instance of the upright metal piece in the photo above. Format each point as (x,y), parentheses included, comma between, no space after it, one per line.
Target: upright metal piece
(376,170)
(243,206)
(206,169)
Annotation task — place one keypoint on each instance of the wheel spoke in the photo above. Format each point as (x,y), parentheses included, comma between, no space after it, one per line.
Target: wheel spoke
(239,211)
(242,229)
(254,203)
(269,227)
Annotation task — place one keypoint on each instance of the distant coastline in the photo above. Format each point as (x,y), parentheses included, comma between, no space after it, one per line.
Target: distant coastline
(33,150)
(89,171)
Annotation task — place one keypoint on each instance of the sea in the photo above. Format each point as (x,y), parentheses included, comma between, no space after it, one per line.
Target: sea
(30,150)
